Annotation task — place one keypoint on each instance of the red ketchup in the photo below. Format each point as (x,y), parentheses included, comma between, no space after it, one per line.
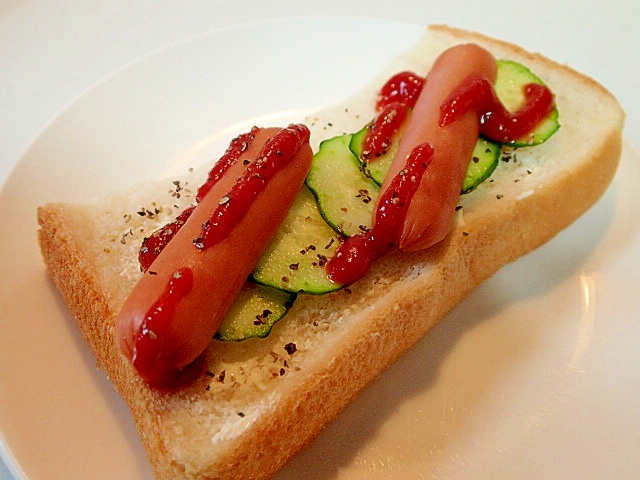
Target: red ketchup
(496,122)
(274,155)
(237,147)
(155,243)
(152,331)
(396,98)
(403,87)
(378,138)
(358,252)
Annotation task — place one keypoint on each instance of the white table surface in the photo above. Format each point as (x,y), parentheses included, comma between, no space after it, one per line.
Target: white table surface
(53,50)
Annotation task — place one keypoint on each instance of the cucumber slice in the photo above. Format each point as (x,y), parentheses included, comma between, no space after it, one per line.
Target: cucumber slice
(294,260)
(254,313)
(510,81)
(484,161)
(375,168)
(345,195)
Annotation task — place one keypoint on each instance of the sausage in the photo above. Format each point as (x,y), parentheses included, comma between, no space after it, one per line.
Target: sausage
(430,214)
(177,306)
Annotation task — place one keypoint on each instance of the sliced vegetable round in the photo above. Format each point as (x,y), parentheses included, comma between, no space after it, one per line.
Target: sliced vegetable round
(254,313)
(511,79)
(295,259)
(345,195)
(484,161)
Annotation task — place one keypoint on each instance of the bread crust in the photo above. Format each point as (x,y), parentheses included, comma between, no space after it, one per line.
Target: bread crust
(264,422)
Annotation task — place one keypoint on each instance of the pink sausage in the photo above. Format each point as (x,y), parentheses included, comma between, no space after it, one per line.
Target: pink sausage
(430,213)
(218,272)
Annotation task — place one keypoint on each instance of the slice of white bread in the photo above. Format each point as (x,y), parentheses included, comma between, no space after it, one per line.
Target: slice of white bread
(264,399)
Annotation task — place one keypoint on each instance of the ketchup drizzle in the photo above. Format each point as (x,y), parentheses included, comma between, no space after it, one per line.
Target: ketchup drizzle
(275,154)
(148,351)
(237,147)
(155,243)
(395,100)
(379,135)
(355,256)
(403,87)
(496,122)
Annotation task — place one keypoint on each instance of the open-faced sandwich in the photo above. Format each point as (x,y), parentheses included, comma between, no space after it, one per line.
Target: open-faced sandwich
(240,308)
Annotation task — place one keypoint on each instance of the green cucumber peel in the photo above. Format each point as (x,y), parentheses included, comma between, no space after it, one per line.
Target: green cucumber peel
(254,313)
(295,259)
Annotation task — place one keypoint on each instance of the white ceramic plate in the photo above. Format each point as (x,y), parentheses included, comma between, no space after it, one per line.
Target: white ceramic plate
(533,376)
